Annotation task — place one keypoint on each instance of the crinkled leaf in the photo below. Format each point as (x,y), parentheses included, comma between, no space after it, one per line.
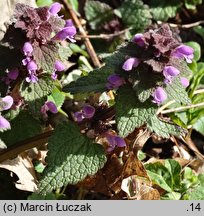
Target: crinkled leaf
(163,10)
(22,127)
(97,13)
(34,91)
(135,114)
(45,55)
(135,14)
(94,82)
(64,52)
(71,157)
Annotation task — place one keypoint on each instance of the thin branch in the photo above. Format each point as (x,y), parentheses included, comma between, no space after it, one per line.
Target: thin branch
(190,25)
(165,106)
(87,42)
(104,36)
(179,109)
(14,150)
(199,91)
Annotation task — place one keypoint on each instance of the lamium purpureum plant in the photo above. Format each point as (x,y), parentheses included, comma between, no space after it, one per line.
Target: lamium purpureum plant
(145,73)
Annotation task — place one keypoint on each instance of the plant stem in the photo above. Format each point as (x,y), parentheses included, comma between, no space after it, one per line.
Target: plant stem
(179,109)
(14,150)
(87,42)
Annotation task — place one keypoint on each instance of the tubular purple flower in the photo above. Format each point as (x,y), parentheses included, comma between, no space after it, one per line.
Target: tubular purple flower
(184,51)
(26,60)
(54,75)
(6,103)
(13,74)
(130,63)
(4,124)
(48,106)
(79,116)
(138,39)
(31,66)
(55,8)
(114,81)
(88,111)
(184,82)
(59,66)
(159,95)
(32,77)
(66,33)
(114,141)
(27,49)
(169,72)
(68,23)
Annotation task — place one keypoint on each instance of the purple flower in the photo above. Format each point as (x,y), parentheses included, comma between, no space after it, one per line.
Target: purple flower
(114,81)
(114,141)
(4,124)
(184,82)
(59,66)
(13,74)
(55,8)
(54,75)
(68,23)
(48,106)
(31,66)
(26,60)
(169,72)
(88,111)
(32,77)
(79,116)
(184,51)
(66,33)
(159,95)
(6,103)
(138,39)
(27,49)
(130,63)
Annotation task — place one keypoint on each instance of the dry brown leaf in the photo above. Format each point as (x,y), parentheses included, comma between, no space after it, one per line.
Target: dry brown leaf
(133,166)
(139,188)
(23,168)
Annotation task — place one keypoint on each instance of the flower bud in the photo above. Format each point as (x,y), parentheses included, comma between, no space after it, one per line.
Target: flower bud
(159,95)
(59,66)
(6,103)
(4,124)
(55,8)
(184,82)
(27,49)
(31,66)
(138,39)
(88,111)
(130,63)
(114,81)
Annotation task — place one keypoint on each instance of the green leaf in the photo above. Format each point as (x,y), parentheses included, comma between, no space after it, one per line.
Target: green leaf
(34,91)
(171,196)
(197,193)
(199,125)
(74,4)
(174,169)
(97,13)
(42,3)
(36,196)
(22,127)
(160,175)
(191,4)
(163,10)
(197,49)
(57,97)
(71,157)
(199,30)
(94,82)
(135,114)
(135,14)
(46,55)
(65,52)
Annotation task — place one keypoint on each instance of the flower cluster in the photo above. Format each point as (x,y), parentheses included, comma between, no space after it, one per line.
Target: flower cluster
(5,104)
(87,112)
(29,63)
(158,50)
